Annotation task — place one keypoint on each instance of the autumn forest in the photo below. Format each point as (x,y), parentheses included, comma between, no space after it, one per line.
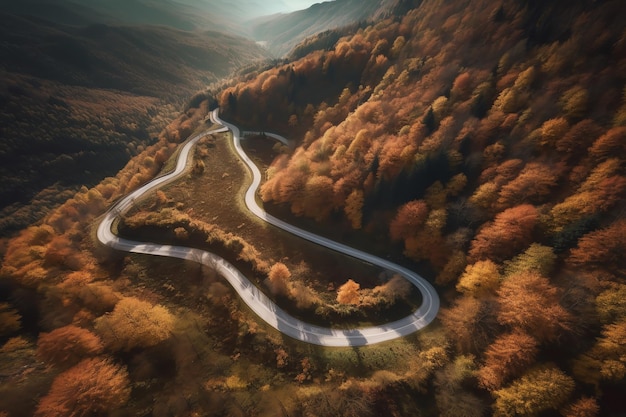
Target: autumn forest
(479,143)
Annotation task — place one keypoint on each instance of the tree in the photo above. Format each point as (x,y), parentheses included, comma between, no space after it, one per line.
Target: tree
(480,279)
(461,87)
(583,407)
(485,195)
(278,279)
(409,220)
(349,293)
(303,295)
(318,197)
(510,231)
(68,345)
(602,189)
(92,387)
(541,389)
(389,292)
(578,138)
(611,304)
(9,319)
(574,102)
(134,323)
(509,100)
(602,248)
(508,356)
(435,196)
(354,208)
(553,130)
(470,323)
(398,44)
(428,244)
(350,399)
(606,360)
(611,144)
(532,185)
(360,144)
(453,268)
(620,114)
(536,258)
(507,171)
(456,185)
(528,302)
(453,400)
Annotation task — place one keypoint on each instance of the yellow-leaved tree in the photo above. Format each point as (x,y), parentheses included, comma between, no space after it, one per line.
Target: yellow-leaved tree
(134,323)
(479,279)
(540,389)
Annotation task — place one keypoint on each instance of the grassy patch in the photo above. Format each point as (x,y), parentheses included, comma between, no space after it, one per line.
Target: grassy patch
(214,195)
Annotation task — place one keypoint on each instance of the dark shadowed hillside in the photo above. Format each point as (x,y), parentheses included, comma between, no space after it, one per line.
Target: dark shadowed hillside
(159,61)
(228,16)
(77,102)
(128,12)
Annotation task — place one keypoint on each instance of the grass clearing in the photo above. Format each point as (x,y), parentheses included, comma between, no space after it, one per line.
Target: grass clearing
(214,194)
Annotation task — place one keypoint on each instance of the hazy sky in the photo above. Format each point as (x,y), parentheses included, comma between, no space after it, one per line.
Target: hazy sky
(256,6)
(301,4)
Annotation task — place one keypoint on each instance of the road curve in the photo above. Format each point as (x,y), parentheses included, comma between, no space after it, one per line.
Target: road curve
(256,300)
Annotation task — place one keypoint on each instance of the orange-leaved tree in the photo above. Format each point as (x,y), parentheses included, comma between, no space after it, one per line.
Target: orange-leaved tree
(510,231)
(530,303)
(278,279)
(92,387)
(602,248)
(349,293)
(409,220)
(67,345)
(508,356)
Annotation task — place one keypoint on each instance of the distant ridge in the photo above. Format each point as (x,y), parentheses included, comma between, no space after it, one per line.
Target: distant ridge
(284,31)
(76,100)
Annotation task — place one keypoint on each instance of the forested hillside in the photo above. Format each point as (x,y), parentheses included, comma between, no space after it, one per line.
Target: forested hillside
(284,31)
(487,140)
(482,142)
(76,103)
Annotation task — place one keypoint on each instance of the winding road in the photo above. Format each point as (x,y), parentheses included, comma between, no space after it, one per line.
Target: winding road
(258,302)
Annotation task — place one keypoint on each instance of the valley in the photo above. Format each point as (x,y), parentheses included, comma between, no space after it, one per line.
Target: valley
(441,234)
(78,103)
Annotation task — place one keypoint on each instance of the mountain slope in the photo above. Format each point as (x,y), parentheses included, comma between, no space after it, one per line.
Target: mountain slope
(241,10)
(121,57)
(481,143)
(485,142)
(61,125)
(216,15)
(284,31)
(127,12)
